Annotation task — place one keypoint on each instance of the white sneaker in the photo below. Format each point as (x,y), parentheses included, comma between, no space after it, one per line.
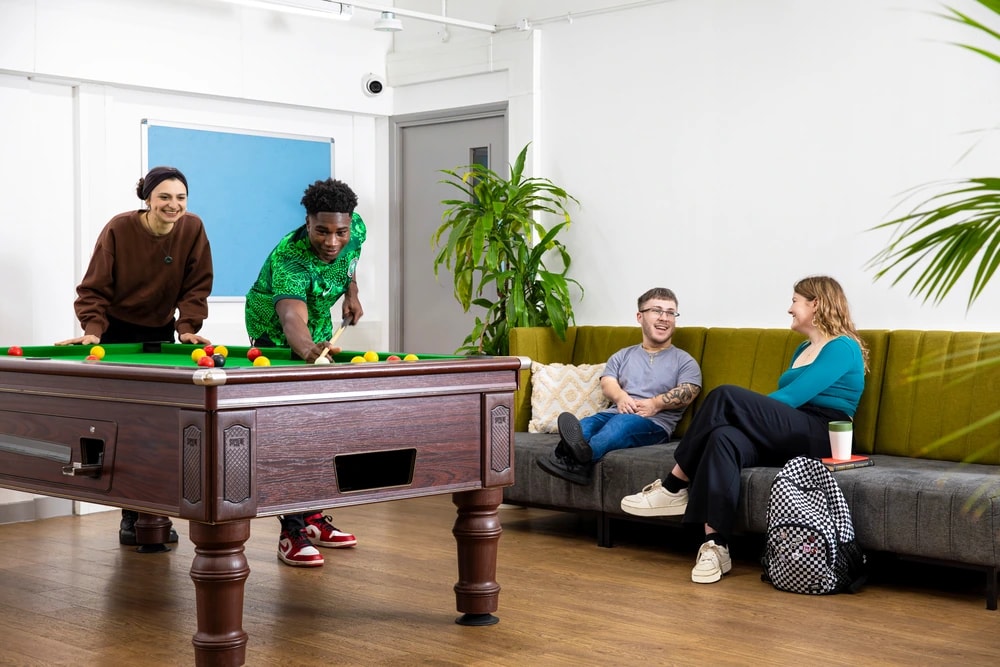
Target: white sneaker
(713,562)
(654,500)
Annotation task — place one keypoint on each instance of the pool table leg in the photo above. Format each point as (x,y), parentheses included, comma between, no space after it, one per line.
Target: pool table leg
(152,532)
(477,532)
(219,571)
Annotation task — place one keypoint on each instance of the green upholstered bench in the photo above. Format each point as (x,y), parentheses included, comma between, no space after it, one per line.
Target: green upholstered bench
(922,499)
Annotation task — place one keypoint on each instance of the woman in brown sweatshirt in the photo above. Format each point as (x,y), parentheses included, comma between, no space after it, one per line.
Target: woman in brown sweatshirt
(151,271)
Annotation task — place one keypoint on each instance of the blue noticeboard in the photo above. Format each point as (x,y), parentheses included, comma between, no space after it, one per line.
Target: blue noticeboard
(246,188)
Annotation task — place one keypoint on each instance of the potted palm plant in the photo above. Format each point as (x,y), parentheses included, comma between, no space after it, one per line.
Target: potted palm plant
(499,253)
(954,222)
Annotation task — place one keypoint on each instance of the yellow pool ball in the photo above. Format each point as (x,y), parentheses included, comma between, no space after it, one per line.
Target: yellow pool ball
(411,357)
(262,361)
(222,349)
(98,351)
(371,355)
(358,359)
(197,354)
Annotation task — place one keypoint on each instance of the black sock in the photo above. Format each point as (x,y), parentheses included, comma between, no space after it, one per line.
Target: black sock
(719,539)
(673,484)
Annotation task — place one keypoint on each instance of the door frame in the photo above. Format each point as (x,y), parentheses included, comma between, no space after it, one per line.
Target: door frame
(396,126)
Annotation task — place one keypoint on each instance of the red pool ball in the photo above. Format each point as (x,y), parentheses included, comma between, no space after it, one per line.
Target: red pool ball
(253,353)
(91,358)
(206,361)
(15,351)
(209,350)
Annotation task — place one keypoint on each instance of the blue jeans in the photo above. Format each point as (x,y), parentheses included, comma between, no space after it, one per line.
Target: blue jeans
(607,431)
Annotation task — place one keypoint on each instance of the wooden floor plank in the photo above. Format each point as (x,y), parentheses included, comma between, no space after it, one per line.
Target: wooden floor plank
(69,595)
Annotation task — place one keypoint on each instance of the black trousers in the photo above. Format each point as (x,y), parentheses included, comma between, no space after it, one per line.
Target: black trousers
(120,331)
(736,428)
(294,522)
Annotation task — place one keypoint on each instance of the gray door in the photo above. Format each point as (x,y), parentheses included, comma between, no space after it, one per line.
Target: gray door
(430,318)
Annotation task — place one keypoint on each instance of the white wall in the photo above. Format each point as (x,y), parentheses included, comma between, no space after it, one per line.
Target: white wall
(37,238)
(726,149)
(735,147)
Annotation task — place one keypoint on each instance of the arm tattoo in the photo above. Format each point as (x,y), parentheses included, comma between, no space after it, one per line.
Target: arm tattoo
(680,397)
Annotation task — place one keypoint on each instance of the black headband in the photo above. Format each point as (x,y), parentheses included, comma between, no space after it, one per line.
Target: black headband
(156,176)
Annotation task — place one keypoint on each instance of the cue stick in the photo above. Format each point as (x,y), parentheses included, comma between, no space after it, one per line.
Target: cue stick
(336,335)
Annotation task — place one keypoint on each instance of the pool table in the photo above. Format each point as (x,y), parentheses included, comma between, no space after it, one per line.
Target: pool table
(146,428)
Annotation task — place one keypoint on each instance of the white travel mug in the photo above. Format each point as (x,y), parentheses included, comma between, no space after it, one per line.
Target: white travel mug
(841,434)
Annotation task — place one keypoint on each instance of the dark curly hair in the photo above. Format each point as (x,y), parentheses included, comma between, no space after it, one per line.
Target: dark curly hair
(329,196)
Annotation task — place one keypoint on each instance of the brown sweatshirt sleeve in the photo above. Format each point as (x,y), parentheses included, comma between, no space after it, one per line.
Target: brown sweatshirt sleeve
(192,302)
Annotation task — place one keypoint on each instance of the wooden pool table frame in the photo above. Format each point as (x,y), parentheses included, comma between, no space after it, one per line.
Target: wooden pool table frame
(220,447)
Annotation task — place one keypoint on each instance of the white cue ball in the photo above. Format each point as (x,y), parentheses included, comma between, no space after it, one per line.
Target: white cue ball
(322,360)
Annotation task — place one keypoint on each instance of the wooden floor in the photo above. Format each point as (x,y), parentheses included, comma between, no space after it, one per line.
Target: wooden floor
(69,595)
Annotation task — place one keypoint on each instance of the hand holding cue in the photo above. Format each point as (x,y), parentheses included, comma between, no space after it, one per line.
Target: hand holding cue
(336,335)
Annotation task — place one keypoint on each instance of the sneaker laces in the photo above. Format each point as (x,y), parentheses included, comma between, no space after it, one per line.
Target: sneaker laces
(651,488)
(709,552)
(324,519)
(298,539)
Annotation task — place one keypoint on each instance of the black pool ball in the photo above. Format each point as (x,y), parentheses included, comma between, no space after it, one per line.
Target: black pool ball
(219,360)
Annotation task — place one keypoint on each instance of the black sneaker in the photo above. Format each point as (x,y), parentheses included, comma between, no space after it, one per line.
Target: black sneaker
(572,434)
(566,468)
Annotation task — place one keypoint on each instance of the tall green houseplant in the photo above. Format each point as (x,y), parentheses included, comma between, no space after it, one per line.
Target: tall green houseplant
(497,250)
(954,223)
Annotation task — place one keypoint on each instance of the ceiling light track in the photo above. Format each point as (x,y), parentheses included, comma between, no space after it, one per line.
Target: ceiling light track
(529,23)
(388,19)
(316,8)
(423,16)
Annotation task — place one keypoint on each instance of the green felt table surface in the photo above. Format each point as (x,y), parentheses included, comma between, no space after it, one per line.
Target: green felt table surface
(176,354)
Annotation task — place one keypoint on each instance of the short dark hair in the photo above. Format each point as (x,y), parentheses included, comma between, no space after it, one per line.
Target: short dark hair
(658,293)
(329,196)
(144,188)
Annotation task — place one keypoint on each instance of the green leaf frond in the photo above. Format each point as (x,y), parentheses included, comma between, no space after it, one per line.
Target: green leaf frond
(945,234)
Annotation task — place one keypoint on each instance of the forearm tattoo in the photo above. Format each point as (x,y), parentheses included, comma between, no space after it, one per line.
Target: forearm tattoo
(680,397)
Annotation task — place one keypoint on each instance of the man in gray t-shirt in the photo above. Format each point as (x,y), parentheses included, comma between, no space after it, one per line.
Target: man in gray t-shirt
(648,386)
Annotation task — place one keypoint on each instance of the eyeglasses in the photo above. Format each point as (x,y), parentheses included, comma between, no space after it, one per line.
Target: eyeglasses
(658,313)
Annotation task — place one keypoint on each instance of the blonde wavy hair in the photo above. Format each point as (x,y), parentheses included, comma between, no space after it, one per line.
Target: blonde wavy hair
(833,316)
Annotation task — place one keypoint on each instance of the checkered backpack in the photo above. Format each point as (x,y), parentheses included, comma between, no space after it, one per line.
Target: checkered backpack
(809,546)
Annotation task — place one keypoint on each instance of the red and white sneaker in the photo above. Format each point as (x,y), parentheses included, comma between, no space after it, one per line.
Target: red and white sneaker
(321,532)
(295,549)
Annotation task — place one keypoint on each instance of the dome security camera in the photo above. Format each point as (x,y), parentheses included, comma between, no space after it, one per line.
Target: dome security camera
(373,85)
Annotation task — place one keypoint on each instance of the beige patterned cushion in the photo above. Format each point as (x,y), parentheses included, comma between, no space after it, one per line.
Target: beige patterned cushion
(558,388)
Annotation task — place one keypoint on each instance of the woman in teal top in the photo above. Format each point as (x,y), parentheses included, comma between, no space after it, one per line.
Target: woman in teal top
(834,380)
(737,428)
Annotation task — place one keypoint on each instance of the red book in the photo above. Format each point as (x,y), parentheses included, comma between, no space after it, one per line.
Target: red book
(856,461)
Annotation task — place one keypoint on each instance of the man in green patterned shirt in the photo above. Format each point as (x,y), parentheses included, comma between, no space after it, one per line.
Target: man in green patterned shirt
(289,306)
